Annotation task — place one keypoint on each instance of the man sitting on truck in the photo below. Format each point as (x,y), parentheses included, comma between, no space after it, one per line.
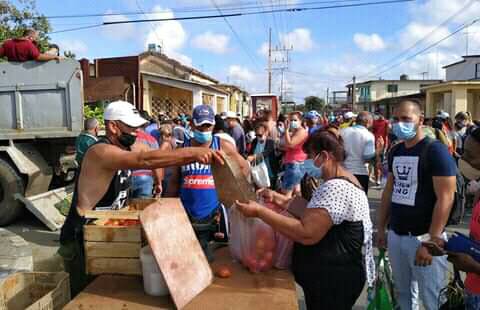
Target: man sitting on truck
(104,180)
(25,48)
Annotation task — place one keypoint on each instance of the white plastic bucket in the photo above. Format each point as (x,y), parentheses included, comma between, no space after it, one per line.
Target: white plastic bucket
(153,281)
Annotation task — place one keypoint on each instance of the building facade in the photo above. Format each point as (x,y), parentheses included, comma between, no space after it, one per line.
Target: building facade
(152,82)
(460,92)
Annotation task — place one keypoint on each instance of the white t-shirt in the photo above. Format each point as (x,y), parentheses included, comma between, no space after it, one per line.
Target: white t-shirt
(345,202)
(226,137)
(359,145)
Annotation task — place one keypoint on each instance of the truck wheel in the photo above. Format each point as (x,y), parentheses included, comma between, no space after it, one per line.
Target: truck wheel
(11,183)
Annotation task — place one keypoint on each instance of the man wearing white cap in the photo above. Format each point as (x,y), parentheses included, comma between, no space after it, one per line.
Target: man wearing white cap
(347,120)
(104,179)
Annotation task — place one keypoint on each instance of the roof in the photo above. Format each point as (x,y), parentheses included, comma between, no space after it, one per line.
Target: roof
(185,81)
(178,64)
(461,61)
(399,98)
(395,81)
(231,86)
(459,82)
(263,95)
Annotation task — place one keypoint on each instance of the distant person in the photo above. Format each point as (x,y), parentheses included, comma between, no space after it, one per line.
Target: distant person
(237,132)
(294,157)
(359,147)
(87,138)
(25,48)
(179,131)
(168,143)
(220,130)
(271,125)
(347,120)
(313,121)
(380,129)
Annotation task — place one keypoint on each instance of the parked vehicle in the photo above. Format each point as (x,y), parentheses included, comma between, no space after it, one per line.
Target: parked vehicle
(42,113)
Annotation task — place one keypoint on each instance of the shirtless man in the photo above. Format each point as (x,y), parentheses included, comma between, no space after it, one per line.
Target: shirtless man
(104,179)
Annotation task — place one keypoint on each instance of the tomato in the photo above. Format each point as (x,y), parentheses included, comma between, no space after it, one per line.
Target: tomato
(262,265)
(223,272)
(268,257)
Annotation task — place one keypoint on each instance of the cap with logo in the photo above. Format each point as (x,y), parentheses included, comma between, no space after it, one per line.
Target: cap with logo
(312,115)
(125,112)
(203,114)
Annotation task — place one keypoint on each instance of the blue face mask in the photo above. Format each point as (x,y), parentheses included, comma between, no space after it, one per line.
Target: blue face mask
(295,125)
(202,137)
(404,130)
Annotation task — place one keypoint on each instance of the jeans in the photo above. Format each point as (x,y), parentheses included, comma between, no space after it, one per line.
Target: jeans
(142,186)
(413,281)
(472,301)
(293,175)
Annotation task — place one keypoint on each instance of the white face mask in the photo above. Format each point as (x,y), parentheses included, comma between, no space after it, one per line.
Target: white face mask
(294,124)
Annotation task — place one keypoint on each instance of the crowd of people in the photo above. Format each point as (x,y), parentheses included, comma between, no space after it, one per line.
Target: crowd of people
(331,160)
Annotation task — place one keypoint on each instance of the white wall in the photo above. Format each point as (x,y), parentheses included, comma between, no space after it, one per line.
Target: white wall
(463,71)
(378,89)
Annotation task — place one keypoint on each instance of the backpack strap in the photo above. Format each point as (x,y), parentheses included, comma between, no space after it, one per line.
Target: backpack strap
(423,162)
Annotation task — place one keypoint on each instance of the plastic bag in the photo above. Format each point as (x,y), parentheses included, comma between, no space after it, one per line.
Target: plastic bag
(252,242)
(259,172)
(383,293)
(282,257)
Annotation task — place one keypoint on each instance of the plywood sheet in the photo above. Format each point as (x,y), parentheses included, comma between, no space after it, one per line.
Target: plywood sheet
(176,250)
(230,183)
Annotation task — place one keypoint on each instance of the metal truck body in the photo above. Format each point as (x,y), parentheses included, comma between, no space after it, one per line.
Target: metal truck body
(41,114)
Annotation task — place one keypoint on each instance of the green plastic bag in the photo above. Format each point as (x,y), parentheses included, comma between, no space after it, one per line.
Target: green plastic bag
(383,295)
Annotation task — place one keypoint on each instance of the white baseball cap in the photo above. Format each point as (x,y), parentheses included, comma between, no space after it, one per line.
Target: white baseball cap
(125,112)
(349,115)
(231,114)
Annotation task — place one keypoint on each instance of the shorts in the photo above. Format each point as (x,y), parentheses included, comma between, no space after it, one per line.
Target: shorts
(293,175)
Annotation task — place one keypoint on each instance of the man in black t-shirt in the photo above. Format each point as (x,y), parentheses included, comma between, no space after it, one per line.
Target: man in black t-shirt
(416,204)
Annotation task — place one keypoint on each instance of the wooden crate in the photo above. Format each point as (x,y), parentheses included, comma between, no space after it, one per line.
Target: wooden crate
(114,249)
(35,291)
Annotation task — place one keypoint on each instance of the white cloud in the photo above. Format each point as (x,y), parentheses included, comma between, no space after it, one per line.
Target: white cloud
(78,47)
(214,42)
(369,43)
(416,31)
(300,39)
(118,31)
(237,72)
(436,11)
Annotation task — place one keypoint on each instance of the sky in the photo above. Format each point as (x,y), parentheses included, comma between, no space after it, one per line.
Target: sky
(329,47)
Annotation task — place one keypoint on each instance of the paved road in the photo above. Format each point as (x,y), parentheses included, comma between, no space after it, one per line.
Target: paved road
(44,243)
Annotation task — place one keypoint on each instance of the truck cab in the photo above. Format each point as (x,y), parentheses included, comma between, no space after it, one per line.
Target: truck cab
(42,114)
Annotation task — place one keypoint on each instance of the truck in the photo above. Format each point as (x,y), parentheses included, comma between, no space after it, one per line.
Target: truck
(41,115)
(265,102)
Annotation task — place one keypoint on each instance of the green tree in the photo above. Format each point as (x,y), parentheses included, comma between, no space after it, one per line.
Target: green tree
(314,103)
(14,19)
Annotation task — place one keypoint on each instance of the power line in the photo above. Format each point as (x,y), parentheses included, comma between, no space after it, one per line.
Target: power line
(150,24)
(244,46)
(225,7)
(420,41)
(430,46)
(293,10)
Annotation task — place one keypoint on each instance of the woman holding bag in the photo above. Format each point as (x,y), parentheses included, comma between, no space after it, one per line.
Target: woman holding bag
(329,236)
(263,149)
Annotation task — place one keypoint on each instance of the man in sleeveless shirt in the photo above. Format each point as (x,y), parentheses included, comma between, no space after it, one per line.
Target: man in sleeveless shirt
(194,182)
(104,179)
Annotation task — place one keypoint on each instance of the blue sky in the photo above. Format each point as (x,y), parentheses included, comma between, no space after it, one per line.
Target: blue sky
(329,46)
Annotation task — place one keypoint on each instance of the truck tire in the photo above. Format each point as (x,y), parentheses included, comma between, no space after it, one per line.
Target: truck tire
(11,183)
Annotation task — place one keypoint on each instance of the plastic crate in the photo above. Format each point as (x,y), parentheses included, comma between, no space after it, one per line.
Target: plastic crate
(35,291)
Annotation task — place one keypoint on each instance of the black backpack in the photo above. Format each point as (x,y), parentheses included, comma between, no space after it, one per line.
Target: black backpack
(458,209)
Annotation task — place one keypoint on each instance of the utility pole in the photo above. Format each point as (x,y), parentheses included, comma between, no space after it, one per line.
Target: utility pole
(328,94)
(270,60)
(424,74)
(354,93)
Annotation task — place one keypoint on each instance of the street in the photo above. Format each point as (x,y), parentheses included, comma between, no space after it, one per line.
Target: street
(43,243)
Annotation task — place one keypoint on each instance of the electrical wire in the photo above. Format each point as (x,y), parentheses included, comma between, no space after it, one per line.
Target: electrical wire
(423,39)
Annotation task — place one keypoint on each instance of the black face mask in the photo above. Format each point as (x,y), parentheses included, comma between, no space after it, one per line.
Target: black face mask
(127,140)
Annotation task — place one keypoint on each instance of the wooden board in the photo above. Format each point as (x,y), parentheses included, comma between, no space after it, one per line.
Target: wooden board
(108,265)
(274,289)
(176,250)
(230,183)
(112,249)
(109,233)
(112,214)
